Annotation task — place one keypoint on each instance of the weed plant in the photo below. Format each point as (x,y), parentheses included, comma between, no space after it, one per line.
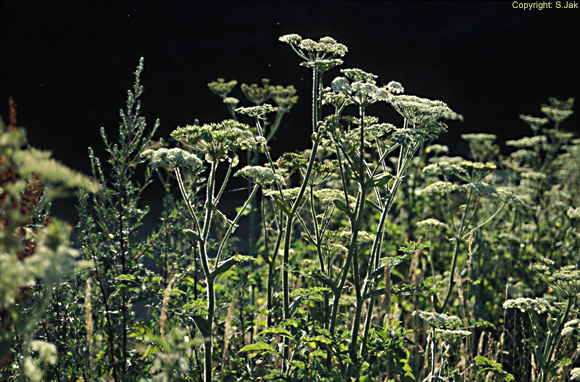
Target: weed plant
(371,255)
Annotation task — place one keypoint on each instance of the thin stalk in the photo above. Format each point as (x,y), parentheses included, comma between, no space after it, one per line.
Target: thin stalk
(233,225)
(202,247)
(317,236)
(232,111)
(275,125)
(272,271)
(317,79)
(433,355)
(209,205)
(458,239)
(375,251)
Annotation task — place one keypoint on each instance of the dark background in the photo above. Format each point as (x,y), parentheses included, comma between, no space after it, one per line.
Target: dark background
(68,64)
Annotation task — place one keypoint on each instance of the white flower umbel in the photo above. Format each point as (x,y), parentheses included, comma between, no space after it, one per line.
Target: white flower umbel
(436,320)
(172,158)
(262,176)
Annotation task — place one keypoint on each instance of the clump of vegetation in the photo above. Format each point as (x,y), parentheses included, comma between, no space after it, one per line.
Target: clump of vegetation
(371,255)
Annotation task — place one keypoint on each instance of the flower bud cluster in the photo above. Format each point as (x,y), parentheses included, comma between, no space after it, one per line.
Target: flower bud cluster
(221,88)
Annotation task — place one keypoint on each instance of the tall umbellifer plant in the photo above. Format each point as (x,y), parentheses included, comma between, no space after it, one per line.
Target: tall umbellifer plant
(108,228)
(366,183)
(218,144)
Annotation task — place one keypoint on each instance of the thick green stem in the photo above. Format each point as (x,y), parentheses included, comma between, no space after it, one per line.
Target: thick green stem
(202,247)
(207,359)
(354,254)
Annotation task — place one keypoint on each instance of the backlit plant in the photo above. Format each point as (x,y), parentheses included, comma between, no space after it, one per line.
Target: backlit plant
(373,254)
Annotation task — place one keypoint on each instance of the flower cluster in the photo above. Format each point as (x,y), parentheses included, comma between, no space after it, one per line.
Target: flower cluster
(437,149)
(538,305)
(259,112)
(257,94)
(437,188)
(432,225)
(371,133)
(262,176)
(221,88)
(284,97)
(565,280)
(535,123)
(424,113)
(215,140)
(361,90)
(528,142)
(174,158)
(558,110)
(322,55)
(573,213)
(436,320)
(467,170)
(452,335)
(482,146)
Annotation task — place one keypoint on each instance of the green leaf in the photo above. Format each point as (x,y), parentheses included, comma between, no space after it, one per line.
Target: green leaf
(378,180)
(319,339)
(277,330)
(282,204)
(223,267)
(412,246)
(380,271)
(125,277)
(299,364)
(373,205)
(485,365)
(192,235)
(325,280)
(343,207)
(260,346)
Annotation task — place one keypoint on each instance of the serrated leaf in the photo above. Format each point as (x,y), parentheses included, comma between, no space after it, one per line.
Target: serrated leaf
(278,331)
(260,346)
(486,365)
(319,339)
